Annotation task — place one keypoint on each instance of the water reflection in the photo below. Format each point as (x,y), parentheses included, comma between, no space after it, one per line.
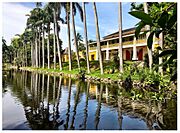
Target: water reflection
(51,102)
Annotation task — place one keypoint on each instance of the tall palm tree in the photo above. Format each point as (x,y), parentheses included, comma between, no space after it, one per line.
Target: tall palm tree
(147,35)
(86,37)
(52,6)
(48,12)
(56,16)
(67,10)
(120,39)
(98,38)
(54,37)
(34,23)
(31,25)
(73,6)
(43,41)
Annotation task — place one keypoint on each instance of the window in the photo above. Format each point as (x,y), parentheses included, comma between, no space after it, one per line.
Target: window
(131,38)
(92,57)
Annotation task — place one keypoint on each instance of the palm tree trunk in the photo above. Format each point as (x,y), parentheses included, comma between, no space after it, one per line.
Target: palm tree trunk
(31,54)
(98,38)
(120,39)
(48,46)
(34,54)
(147,35)
(160,58)
(86,37)
(57,39)
(75,39)
(26,55)
(43,47)
(39,55)
(23,54)
(54,38)
(69,41)
(36,49)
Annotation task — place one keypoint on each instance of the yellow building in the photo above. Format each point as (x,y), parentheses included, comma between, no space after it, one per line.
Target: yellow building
(65,56)
(133,49)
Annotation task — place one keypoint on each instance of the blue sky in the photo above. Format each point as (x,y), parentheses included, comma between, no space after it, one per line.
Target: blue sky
(14,19)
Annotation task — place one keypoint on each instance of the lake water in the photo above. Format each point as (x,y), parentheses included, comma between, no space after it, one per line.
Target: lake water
(32,101)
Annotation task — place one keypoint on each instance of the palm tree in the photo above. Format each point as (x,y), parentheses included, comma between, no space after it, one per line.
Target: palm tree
(54,44)
(48,12)
(98,38)
(34,23)
(67,10)
(56,16)
(43,38)
(120,39)
(147,35)
(73,13)
(86,37)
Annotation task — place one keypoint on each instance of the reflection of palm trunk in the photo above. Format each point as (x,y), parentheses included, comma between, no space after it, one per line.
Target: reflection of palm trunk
(97,117)
(54,90)
(42,94)
(31,82)
(75,106)
(120,117)
(47,115)
(107,94)
(36,80)
(86,107)
(58,98)
(34,91)
(68,103)
(38,93)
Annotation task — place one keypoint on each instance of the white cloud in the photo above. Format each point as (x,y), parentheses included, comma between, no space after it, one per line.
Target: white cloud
(14,20)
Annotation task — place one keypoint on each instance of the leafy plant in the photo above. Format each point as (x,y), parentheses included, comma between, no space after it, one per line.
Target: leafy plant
(162,18)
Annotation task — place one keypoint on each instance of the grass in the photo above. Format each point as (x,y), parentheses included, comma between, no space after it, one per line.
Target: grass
(108,67)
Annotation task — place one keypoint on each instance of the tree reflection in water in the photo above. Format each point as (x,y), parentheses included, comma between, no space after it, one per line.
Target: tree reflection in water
(40,96)
(40,119)
(97,116)
(75,105)
(68,105)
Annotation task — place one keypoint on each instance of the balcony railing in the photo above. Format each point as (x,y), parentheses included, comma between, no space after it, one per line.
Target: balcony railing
(117,44)
(128,43)
(140,41)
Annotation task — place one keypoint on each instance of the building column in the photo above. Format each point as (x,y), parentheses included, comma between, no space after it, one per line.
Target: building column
(134,50)
(107,51)
(154,42)
(97,55)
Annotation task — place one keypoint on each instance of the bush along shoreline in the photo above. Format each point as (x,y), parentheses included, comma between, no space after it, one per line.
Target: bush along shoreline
(146,80)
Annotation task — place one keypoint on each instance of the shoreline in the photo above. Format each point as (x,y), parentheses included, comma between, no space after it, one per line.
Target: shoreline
(90,78)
